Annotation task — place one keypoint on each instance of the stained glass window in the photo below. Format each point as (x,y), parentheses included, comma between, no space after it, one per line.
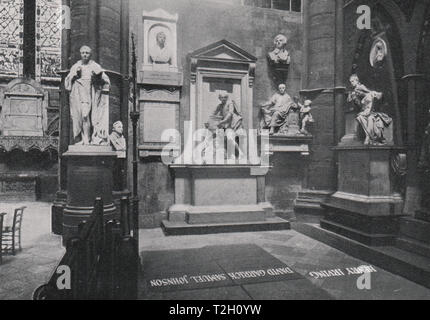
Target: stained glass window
(11,31)
(48,39)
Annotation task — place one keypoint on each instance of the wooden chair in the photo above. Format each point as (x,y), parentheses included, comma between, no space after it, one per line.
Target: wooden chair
(1,234)
(12,234)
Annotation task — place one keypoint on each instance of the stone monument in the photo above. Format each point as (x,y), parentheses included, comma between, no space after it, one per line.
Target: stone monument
(90,157)
(159,79)
(366,206)
(279,58)
(228,195)
(287,121)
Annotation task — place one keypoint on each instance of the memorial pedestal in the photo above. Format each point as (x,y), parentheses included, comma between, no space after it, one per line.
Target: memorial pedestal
(220,198)
(366,207)
(89,175)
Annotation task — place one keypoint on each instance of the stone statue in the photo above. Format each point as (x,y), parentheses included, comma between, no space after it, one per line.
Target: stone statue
(373,123)
(89,86)
(159,53)
(280,55)
(226,117)
(305,116)
(117,140)
(275,112)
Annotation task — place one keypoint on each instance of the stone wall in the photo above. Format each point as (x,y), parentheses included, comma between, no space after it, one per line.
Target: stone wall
(202,23)
(404,33)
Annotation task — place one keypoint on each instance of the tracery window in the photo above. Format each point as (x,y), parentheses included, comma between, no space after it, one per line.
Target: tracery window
(48,38)
(30,39)
(11,37)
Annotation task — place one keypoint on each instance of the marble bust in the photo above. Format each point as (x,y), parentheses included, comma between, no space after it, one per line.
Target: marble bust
(159,52)
(378,53)
(280,55)
(117,140)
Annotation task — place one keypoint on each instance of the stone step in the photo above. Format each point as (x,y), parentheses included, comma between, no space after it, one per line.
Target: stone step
(315,193)
(309,201)
(407,264)
(224,214)
(414,246)
(308,208)
(415,229)
(183,228)
(371,239)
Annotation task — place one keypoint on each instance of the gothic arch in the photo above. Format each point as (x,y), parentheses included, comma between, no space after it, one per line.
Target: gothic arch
(385,26)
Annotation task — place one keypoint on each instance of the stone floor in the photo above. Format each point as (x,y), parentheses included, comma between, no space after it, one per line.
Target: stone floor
(21,274)
(30,268)
(301,253)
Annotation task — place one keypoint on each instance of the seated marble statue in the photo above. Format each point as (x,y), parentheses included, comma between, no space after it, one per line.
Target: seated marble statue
(159,53)
(226,117)
(274,113)
(117,140)
(373,123)
(280,55)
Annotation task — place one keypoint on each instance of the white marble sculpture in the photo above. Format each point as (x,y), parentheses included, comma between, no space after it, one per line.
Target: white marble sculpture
(117,140)
(89,86)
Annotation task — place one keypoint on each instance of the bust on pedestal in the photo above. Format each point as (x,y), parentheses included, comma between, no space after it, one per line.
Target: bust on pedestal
(90,158)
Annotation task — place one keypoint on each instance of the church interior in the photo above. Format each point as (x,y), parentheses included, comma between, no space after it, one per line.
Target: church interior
(336,98)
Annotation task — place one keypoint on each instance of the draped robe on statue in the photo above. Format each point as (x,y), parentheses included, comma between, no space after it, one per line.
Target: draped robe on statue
(88,97)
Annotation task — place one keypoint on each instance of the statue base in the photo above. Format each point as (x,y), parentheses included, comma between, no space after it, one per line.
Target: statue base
(220,198)
(89,175)
(365,208)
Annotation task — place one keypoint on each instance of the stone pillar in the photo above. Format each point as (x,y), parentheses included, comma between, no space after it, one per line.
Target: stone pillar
(413,192)
(339,91)
(64,127)
(103,25)
(320,55)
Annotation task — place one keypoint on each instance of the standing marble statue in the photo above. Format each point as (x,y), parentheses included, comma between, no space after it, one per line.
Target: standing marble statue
(280,55)
(275,111)
(89,86)
(117,140)
(373,123)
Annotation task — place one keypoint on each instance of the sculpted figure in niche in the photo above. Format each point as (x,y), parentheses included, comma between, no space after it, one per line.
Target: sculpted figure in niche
(378,53)
(280,55)
(89,86)
(117,140)
(373,123)
(274,113)
(159,53)
(226,117)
